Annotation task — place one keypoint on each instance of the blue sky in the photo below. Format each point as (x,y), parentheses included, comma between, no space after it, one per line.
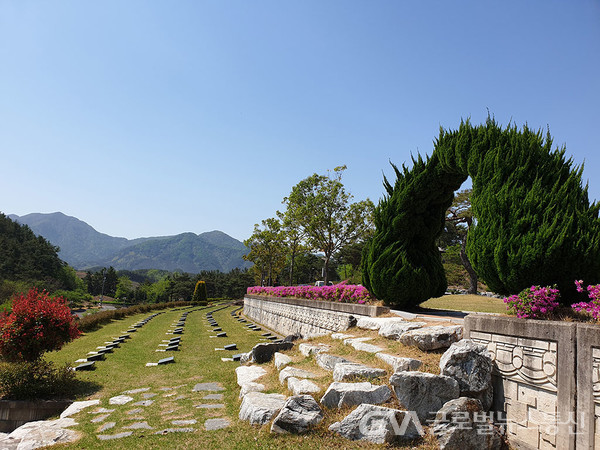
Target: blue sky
(148,118)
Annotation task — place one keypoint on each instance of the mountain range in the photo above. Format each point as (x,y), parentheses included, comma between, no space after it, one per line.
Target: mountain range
(82,247)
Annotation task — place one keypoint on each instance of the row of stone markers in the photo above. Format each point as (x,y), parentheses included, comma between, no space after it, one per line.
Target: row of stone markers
(455,404)
(171,344)
(215,328)
(253,327)
(88,363)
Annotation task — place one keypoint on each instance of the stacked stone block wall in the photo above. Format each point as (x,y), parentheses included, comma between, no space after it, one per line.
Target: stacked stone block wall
(308,318)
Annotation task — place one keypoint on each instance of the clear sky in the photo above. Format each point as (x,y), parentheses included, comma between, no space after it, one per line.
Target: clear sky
(148,118)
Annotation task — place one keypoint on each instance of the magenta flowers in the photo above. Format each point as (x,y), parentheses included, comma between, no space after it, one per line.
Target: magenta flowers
(534,302)
(592,307)
(343,293)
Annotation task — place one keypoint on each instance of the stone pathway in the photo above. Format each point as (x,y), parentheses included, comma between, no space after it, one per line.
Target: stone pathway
(179,423)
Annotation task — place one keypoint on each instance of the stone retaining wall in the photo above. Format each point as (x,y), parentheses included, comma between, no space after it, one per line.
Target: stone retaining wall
(547,379)
(307,317)
(14,413)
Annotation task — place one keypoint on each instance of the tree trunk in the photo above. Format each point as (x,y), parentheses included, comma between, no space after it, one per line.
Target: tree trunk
(467,265)
(326,267)
(292,268)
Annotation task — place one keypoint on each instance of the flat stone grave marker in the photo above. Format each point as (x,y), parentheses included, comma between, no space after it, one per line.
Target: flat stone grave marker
(210,387)
(107,437)
(85,366)
(172,348)
(178,332)
(168,360)
(104,351)
(217,329)
(266,334)
(96,357)
(216,424)
(223,334)
(124,336)
(230,347)
(104,347)
(257,329)
(131,330)
(237,357)
(111,345)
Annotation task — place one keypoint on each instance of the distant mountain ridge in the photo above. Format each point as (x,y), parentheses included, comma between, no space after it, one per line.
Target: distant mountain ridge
(83,247)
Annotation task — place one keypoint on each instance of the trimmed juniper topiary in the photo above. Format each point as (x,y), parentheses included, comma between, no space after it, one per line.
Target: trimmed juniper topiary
(200,295)
(535,225)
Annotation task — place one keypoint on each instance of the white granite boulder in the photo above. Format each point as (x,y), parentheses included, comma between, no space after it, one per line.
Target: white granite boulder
(41,433)
(251,387)
(393,330)
(297,415)
(399,363)
(341,336)
(462,424)
(313,349)
(469,363)
(294,372)
(328,362)
(302,386)
(281,360)
(339,394)
(432,338)
(374,323)
(248,374)
(423,393)
(378,425)
(353,371)
(259,408)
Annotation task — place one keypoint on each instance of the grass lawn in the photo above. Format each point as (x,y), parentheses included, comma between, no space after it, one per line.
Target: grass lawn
(172,384)
(473,303)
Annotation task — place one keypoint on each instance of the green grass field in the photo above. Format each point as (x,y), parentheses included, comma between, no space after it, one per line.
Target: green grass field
(473,303)
(196,362)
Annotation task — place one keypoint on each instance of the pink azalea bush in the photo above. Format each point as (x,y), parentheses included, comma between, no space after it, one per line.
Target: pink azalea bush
(533,303)
(592,307)
(344,293)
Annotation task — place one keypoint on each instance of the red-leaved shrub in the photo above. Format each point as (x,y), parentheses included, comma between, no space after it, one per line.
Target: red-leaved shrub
(36,324)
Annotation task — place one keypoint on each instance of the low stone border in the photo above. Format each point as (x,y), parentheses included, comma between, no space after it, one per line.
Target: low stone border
(349,308)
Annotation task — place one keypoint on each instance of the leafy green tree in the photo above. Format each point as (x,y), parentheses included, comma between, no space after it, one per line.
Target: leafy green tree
(124,288)
(267,250)
(535,224)
(324,210)
(459,220)
(293,235)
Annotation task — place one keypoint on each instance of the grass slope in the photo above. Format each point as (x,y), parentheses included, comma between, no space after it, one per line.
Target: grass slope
(197,362)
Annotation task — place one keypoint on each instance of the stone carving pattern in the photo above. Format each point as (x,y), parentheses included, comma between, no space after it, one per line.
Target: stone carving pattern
(596,393)
(525,371)
(290,319)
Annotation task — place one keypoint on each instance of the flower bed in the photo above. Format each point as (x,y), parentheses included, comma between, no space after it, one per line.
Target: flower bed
(344,293)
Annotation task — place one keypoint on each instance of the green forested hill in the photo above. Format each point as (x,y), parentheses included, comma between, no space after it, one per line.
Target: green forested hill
(25,256)
(83,247)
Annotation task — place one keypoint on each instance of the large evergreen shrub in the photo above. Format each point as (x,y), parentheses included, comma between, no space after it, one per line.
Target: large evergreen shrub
(200,295)
(535,224)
